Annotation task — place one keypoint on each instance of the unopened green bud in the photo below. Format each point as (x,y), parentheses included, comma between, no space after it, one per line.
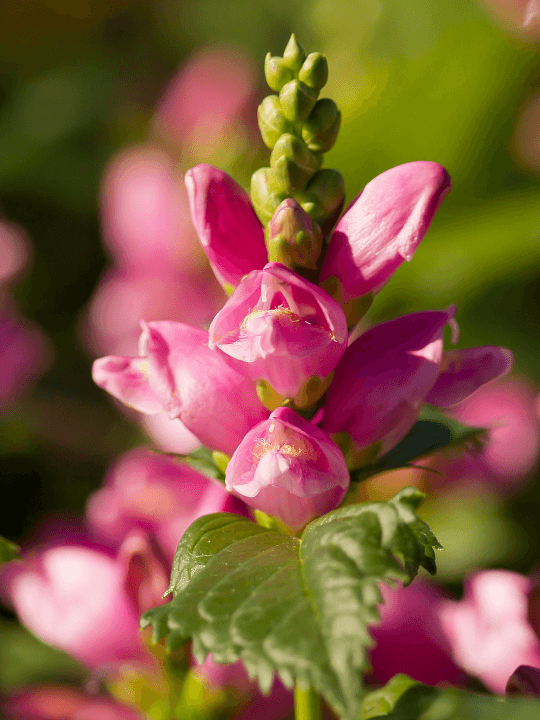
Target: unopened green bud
(323,195)
(265,194)
(293,164)
(314,71)
(272,121)
(321,128)
(292,237)
(297,100)
(294,55)
(276,72)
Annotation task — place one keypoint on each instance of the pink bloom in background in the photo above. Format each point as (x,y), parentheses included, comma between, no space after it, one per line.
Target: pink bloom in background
(25,352)
(488,630)
(288,468)
(180,374)
(282,328)
(521,16)
(511,450)
(213,96)
(409,638)
(75,598)
(383,227)
(57,702)
(154,493)
(159,271)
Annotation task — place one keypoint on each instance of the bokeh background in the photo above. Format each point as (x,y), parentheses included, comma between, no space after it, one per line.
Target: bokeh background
(83,80)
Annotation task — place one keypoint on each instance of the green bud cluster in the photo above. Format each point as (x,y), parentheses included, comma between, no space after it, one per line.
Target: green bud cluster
(298,128)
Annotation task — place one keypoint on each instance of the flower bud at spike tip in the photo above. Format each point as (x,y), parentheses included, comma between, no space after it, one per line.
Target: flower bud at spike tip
(272,121)
(294,55)
(321,128)
(297,100)
(314,71)
(289,469)
(292,237)
(276,72)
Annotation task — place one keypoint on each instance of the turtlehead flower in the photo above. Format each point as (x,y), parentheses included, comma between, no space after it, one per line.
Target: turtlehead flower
(178,372)
(381,228)
(488,630)
(228,228)
(389,372)
(284,329)
(288,468)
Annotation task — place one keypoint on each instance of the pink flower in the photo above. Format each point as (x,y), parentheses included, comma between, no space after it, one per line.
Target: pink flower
(409,638)
(521,16)
(15,251)
(57,702)
(283,328)
(389,372)
(178,372)
(212,94)
(512,446)
(288,468)
(383,227)
(151,492)
(488,630)
(228,228)
(74,598)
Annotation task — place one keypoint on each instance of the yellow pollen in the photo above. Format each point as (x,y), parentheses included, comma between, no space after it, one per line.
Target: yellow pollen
(279,312)
(300,449)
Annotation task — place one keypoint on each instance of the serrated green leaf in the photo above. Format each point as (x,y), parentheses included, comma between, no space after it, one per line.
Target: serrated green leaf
(403,698)
(300,608)
(432,432)
(8,550)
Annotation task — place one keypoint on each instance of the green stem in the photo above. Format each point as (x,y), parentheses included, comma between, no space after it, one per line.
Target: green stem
(307,705)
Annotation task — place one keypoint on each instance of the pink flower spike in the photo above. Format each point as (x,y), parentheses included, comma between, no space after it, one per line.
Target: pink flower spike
(282,327)
(383,377)
(229,231)
(384,226)
(127,380)
(288,468)
(464,371)
(146,572)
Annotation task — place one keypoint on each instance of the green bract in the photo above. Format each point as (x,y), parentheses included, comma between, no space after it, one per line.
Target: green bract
(300,608)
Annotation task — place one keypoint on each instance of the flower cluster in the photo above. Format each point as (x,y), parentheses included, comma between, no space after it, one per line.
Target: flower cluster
(281,344)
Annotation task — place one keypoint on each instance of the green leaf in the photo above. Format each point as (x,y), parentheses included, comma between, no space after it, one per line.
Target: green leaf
(300,608)
(8,550)
(402,698)
(201,460)
(433,431)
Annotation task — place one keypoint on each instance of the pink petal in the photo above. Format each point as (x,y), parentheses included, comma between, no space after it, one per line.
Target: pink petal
(467,370)
(384,226)
(226,224)
(127,379)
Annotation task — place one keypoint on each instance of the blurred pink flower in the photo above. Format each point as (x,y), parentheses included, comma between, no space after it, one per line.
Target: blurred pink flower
(521,16)
(57,702)
(75,598)
(288,468)
(15,251)
(488,630)
(512,446)
(157,494)
(213,93)
(282,328)
(178,372)
(409,637)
